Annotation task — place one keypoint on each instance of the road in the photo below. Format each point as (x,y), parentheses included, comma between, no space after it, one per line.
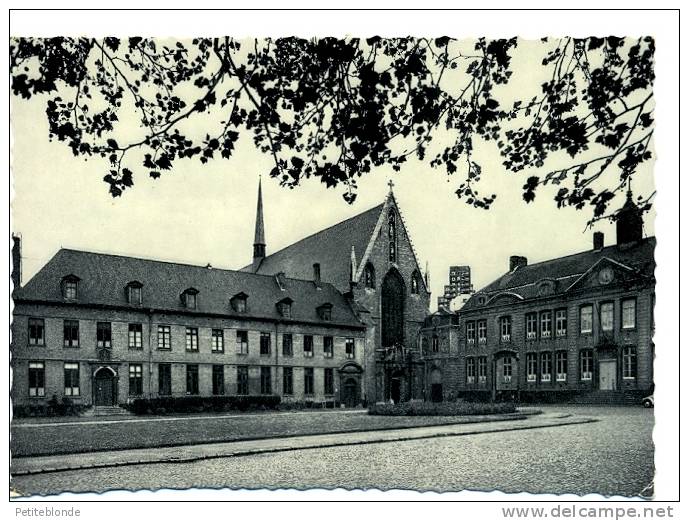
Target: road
(613,456)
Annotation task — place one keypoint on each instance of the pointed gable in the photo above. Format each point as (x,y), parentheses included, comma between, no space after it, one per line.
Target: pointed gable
(331,248)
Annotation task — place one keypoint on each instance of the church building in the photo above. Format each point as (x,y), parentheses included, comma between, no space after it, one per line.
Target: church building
(371,260)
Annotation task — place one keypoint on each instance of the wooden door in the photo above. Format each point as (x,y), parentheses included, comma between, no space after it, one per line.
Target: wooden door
(607,375)
(104,389)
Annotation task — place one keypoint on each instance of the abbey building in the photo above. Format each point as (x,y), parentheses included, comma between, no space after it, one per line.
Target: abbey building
(333,318)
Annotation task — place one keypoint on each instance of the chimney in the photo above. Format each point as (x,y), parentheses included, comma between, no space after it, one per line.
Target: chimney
(16,261)
(317,273)
(517,261)
(598,240)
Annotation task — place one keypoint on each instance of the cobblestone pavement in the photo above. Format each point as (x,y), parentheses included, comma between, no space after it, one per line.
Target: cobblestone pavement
(613,456)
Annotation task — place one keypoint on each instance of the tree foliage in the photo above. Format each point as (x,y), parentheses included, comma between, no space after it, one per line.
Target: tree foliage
(335,109)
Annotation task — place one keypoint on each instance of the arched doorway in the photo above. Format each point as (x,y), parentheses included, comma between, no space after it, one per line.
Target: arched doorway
(104,388)
(350,384)
(436,385)
(392,309)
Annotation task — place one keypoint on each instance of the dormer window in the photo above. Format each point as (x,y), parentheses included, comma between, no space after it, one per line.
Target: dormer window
(134,292)
(238,302)
(70,287)
(325,312)
(285,307)
(189,298)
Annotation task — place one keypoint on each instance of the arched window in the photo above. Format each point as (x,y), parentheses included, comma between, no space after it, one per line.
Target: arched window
(415,282)
(392,235)
(369,276)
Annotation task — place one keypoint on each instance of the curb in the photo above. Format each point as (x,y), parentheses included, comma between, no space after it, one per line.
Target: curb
(257,451)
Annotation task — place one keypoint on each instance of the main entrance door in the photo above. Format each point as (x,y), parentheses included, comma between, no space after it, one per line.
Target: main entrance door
(351,392)
(104,387)
(607,375)
(395,389)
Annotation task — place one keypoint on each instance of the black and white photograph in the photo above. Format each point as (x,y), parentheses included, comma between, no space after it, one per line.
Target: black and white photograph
(395,260)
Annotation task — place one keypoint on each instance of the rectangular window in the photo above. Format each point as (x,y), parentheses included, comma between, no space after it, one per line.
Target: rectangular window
(482,369)
(471,370)
(242,343)
(607,314)
(287,349)
(36,379)
(287,381)
(629,363)
(328,346)
(531,367)
(531,326)
(507,369)
(471,332)
(217,341)
(435,344)
(506,329)
(134,295)
(349,348)
(308,346)
(192,336)
(164,379)
(308,380)
(586,319)
(103,335)
(586,364)
(192,379)
(136,380)
(242,379)
(164,337)
(266,381)
(135,336)
(218,379)
(546,367)
(561,366)
(71,379)
(70,289)
(71,330)
(561,322)
(264,345)
(328,381)
(546,324)
(36,332)
(629,314)
(482,327)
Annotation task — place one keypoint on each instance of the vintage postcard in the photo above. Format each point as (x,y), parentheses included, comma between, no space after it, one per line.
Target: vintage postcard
(404,262)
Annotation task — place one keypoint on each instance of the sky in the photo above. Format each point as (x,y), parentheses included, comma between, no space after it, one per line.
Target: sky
(202,214)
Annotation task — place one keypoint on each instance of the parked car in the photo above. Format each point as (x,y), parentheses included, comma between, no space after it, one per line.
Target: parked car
(648,402)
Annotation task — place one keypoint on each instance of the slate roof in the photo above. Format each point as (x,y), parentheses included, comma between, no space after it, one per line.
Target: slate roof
(103,279)
(331,248)
(566,270)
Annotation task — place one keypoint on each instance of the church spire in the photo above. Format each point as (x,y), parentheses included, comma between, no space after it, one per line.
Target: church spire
(259,236)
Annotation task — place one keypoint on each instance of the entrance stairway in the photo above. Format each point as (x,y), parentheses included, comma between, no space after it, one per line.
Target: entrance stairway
(106,410)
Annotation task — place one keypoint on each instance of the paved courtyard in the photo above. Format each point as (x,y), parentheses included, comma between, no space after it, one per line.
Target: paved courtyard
(613,456)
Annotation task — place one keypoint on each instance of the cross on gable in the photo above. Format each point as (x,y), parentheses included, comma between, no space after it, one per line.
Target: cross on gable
(391,184)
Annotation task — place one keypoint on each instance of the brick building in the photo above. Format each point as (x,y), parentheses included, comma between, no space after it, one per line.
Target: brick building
(334,317)
(371,260)
(102,329)
(440,353)
(576,326)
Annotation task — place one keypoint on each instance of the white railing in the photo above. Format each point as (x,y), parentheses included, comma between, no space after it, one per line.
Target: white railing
(531,335)
(545,334)
(506,338)
(531,378)
(561,377)
(545,377)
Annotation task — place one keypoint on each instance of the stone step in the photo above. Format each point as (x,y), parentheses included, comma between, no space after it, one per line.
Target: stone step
(105,410)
